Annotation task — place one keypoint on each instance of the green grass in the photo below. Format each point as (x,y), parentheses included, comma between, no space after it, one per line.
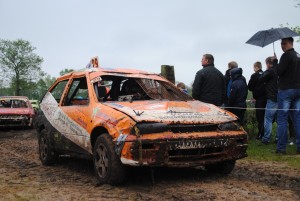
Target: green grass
(261,152)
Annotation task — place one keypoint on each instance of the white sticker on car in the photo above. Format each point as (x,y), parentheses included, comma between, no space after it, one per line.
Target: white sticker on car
(65,125)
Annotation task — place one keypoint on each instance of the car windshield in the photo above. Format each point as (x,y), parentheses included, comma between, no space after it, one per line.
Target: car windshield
(13,103)
(117,88)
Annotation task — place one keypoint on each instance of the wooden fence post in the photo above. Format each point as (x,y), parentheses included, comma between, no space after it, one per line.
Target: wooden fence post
(168,72)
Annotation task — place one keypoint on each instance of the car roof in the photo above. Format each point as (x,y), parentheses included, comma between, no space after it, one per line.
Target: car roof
(14,97)
(125,72)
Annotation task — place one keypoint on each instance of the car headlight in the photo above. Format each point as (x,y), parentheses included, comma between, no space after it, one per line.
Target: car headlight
(144,128)
(230,126)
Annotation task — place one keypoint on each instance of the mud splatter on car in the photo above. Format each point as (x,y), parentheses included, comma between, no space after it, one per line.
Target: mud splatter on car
(124,117)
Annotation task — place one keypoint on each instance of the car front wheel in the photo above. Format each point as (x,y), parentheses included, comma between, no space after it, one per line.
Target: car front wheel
(46,153)
(108,166)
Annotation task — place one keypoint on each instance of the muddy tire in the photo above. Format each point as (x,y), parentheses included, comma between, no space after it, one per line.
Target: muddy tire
(107,164)
(46,153)
(224,167)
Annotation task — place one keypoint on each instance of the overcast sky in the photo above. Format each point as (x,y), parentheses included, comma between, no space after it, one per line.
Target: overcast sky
(145,34)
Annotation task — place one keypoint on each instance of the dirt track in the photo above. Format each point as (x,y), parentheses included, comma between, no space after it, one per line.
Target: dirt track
(22,177)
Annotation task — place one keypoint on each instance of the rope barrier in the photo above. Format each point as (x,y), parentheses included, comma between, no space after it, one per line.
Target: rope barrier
(253,108)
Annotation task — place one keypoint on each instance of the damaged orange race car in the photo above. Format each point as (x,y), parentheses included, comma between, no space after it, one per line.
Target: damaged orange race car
(122,117)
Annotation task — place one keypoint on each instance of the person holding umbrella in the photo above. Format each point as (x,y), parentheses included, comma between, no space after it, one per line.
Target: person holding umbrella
(288,98)
(269,79)
(288,70)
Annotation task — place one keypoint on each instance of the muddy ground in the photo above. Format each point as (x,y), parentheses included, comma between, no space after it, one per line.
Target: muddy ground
(23,177)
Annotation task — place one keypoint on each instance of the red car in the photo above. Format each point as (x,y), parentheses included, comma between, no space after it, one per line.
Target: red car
(15,111)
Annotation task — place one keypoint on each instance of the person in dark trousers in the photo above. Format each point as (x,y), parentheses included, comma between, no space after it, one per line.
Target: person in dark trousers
(292,131)
(238,94)
(288,97)
(259,94)
(269,79)
(209,83)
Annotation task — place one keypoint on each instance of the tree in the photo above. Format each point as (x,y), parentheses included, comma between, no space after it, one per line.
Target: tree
(18,62)
(65,71)
(42,85)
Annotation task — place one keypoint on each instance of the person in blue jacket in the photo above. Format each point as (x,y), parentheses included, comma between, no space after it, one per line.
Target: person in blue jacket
(238,94)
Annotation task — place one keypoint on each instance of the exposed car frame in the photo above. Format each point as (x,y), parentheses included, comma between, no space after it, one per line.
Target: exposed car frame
(150,123)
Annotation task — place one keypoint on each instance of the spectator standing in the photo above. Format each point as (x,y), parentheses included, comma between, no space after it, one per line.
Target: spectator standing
(269,79)
(259,94)
(238,94)
(182,87)
(231,65)
(209,83)
(288,93)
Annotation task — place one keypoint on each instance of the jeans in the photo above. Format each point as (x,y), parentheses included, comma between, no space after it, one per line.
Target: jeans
(271,110)
(288,99)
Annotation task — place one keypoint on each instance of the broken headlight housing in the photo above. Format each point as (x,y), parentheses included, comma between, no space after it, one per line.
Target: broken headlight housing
(230,126)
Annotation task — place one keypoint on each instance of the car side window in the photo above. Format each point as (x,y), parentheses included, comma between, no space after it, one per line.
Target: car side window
(58,90)
(78,93)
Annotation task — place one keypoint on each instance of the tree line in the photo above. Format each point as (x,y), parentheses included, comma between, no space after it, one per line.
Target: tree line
(21,72)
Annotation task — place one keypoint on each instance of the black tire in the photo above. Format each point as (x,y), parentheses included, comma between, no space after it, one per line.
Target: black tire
(107,164)
(46,152)
(224,167)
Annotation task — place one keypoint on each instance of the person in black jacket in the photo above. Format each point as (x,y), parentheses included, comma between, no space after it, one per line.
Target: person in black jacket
(259,94)
(288,97)
(238,94)
(209,83)
(269,79)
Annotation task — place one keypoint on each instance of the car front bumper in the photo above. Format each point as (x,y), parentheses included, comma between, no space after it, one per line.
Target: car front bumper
(184,151)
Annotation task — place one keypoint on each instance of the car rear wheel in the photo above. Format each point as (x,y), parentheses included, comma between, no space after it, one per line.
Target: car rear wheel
(46,153)
(108,166)
(224,167)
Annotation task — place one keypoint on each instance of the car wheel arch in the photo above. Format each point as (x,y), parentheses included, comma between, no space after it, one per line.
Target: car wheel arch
(96,133)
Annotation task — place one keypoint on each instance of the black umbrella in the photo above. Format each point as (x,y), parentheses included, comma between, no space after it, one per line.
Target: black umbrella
(265,37)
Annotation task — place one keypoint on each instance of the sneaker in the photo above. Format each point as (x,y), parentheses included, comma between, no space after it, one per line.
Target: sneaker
(292,141)
(280,152)
(258,137)
(265,142)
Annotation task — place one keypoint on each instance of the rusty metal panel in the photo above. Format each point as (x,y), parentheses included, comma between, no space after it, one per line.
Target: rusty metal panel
(190,112)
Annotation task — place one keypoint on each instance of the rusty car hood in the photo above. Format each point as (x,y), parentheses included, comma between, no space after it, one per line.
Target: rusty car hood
(173,112)
(16,111)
